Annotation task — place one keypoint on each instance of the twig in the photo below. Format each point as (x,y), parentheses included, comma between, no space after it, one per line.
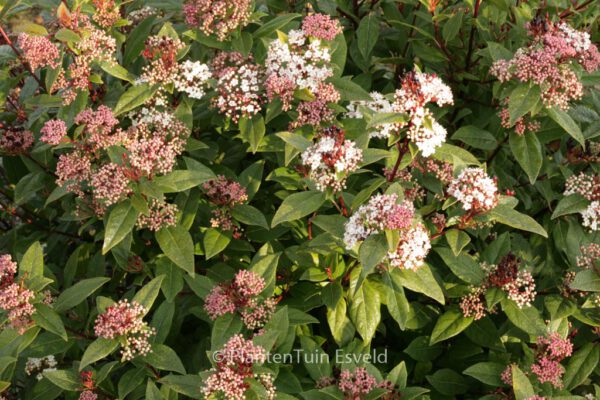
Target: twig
(472,36)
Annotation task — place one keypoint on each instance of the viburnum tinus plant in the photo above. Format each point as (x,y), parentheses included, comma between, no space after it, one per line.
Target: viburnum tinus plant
(269,199)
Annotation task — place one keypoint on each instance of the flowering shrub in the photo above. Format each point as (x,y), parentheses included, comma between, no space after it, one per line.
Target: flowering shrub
(312,200)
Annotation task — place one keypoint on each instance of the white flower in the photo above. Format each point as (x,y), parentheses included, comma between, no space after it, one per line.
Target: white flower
(475,190)
(591,216)
(412,249)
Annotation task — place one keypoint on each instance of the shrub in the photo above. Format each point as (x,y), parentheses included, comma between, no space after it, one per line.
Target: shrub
(314,200)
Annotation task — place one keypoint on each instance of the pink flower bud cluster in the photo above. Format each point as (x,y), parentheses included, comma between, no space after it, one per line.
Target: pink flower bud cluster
(161,214)
(124,320)
(588,186)
(549,62)
(519,287)
(225,194)
(241,295)
(15,140)
(107,13)
(358,385)
(551,350)
(301,61)
(315,112)
(590,256)
(88,395)
(53,131)
(521,125)
(331,159)
(38,51)
(15,298)
(475,190)
(416,92)
(161,52)
(321,26)
(219,18)
(239,81)
(230,377)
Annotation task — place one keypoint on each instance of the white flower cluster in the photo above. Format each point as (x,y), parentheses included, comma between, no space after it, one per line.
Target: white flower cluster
(38,366)
(192,78)
(579,40)
(331,161)
(412,249)
(418,89)
(379,104)
(475,190)
(299,61)
(239,91)
(591,216)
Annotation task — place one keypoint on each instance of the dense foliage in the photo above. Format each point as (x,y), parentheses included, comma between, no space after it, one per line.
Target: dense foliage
(272,199)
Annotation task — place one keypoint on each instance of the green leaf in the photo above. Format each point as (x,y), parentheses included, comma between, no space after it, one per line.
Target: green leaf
(121,220)
(32,263)
(148,293)
(97,350)
(448,325)
(371,252)
(224,328)
(295,140)
(386,118)
(581,365)
(77,293)
(188,385)
(165,358)
(448,382)
(135,41)
(573,203)
(253,131)
(522,100)
(463,266)
(566,122)
(129,381)
(117,71)
(521,384)
(475,137)
(177,244)
(365,310)
(249,215)
(152,392)
(276,23)
(528,152)
(452,26)
(350,91)
(298,205)
(368,33)
(134,96)
(45,317)
(420,280)
(587,280)
(178,181)
(28,186)
(172,283)
(527,319)
(64,379)
(486,372)
(450,153)
(339,324)
(457,240)
(214,242)
(507,216)
(396,301)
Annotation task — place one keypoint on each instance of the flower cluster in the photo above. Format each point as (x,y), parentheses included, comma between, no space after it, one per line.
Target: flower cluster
(221,17)
(239,92)
(518,285)
(521,125)
(53,131)
(230,378)
(192,78)
(588,186)
(161,53)
(38,51)
(15,298)
(107,13)
(549,62)
(378,104)
(241,295)
(225,194)
(590,256)
(137,16)
(160,215)
(383,212)
(88,395)
(417,90)
(475,190)
(37,366)
(124,320)
(358,384)
(551,350)
(301,61)
(15,140)
(331,159)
